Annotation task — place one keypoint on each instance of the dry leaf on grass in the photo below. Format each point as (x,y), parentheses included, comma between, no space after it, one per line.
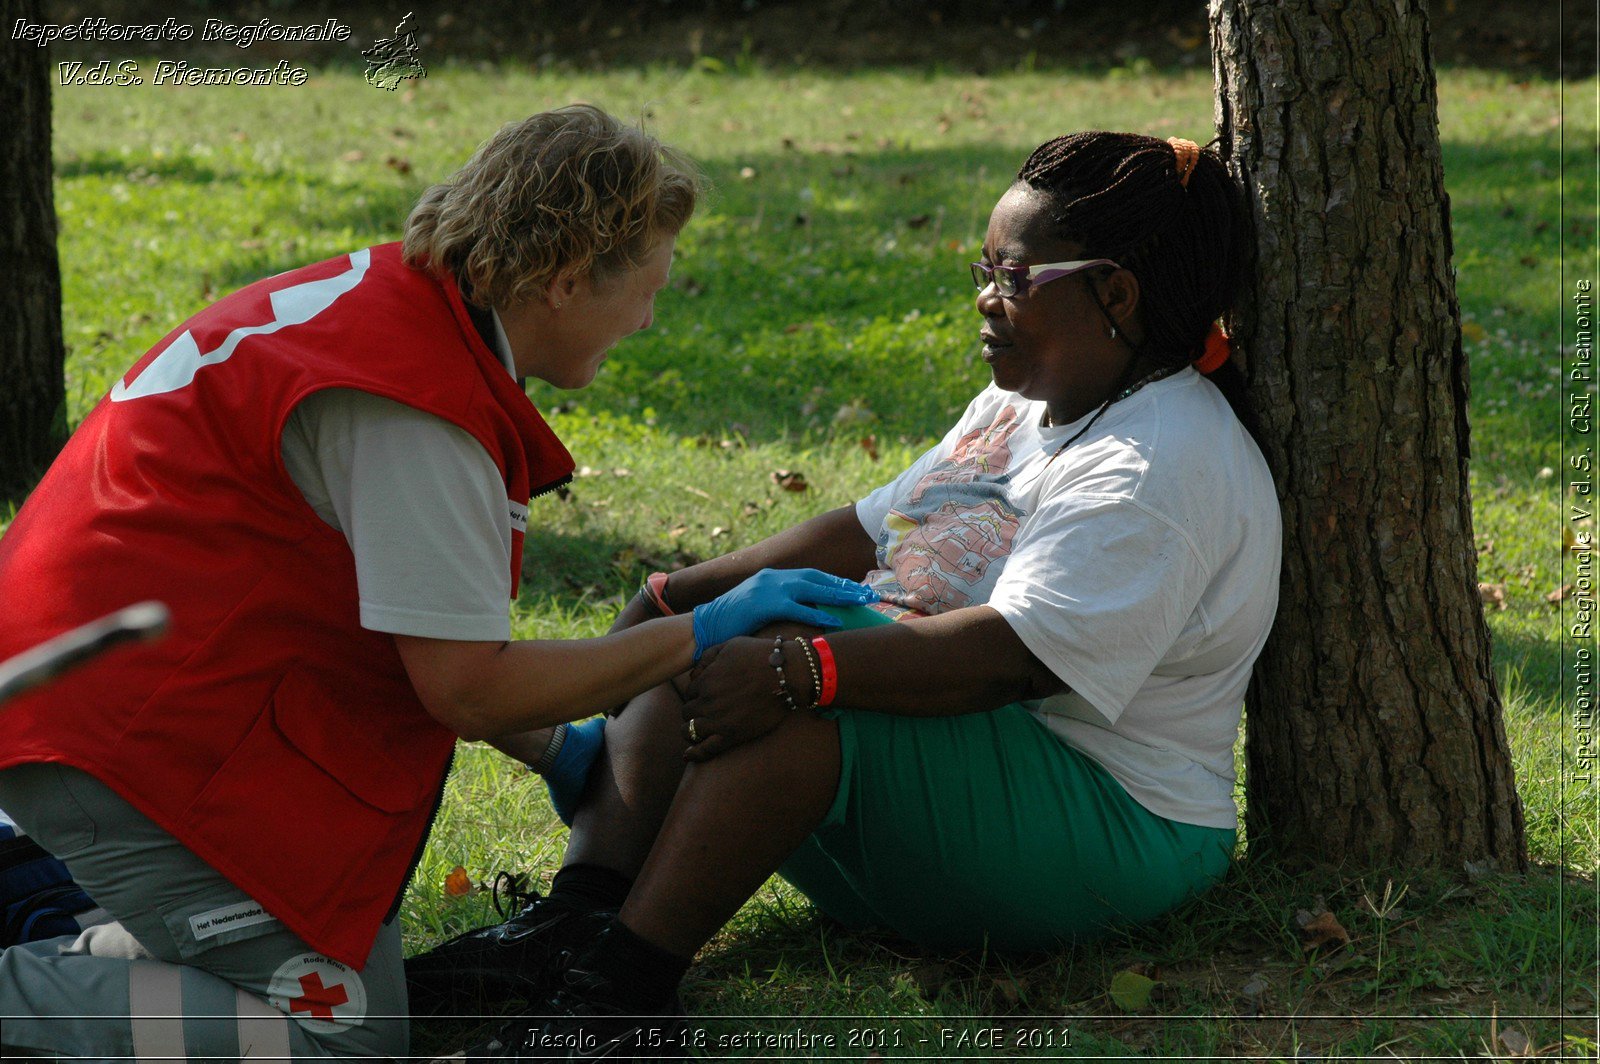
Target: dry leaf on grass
(1515,1042)
(457,883)
(1319,929)
(1559,593)
(789,480)
(1493,595)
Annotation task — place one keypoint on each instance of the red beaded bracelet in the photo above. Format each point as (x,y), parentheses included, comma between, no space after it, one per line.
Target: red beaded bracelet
(830,671)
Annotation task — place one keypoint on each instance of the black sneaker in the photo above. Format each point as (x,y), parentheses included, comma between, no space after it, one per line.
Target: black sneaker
(585,1020)
(519,959)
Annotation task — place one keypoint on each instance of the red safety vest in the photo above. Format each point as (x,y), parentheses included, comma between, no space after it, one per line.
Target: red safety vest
(268,731)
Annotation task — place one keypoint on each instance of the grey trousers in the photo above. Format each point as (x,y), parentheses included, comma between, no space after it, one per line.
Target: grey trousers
(191,968)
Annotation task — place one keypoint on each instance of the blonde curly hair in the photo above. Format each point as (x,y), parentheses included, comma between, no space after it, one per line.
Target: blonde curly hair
(572,187)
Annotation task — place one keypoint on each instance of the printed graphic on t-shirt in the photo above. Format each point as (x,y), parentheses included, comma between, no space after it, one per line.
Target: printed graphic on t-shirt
(945,547)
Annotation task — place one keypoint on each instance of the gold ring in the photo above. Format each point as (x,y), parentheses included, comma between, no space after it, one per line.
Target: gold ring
(694,736)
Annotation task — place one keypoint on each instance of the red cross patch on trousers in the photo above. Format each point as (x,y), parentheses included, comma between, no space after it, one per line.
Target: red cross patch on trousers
(322,994)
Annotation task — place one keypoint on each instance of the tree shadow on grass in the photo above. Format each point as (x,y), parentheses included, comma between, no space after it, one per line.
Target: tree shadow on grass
(570,571)
(820,276)
(1536,667)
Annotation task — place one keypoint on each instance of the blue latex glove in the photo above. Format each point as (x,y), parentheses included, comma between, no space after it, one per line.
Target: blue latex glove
(775,595)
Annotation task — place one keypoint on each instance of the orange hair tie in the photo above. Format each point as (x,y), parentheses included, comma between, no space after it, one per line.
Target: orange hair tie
(1188,153)
(1218,348)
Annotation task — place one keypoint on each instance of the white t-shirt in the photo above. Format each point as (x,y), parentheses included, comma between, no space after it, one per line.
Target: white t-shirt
(420,502)
(1140,565)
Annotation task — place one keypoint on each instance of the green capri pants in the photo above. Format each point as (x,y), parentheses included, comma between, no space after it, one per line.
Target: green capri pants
(987,829)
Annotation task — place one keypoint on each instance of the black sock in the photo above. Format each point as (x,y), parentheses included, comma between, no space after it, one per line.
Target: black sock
(590,887)
(643,974)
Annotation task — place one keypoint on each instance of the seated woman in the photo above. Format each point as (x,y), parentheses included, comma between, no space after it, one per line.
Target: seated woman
(1079,577)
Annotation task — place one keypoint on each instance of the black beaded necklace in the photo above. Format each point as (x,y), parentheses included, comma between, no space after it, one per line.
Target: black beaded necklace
(1149,378)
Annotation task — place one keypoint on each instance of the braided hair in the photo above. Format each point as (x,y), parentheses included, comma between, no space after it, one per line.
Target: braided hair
(1122,196)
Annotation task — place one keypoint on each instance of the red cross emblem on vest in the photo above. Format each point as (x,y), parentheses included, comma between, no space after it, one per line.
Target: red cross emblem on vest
(316,999)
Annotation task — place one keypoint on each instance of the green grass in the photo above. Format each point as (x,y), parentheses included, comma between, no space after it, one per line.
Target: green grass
(819,302)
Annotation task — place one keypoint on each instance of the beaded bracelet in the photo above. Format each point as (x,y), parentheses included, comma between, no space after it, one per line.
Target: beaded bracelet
(830,671)
(776,661)
(816,672)
(654,593)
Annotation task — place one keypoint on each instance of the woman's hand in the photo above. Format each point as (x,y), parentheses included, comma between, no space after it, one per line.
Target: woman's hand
(775,595)
(733,698)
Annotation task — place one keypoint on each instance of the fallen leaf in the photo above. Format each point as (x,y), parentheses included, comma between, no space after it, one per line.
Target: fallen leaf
(1478,869)
(622,471)
(1472,332)
(747,173)
(457,883)
(1322,929)
(1492,595)
(870,445)
(677,531)
(1009,989)
(398,165)
(1256,988)
(1515,1042)
(1130,991)
(750,509)
(718,532)
(789,480)
(1559,593)
(353,156)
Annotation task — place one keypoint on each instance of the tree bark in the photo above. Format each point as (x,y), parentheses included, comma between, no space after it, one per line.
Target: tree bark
(1374,723)
(32,382)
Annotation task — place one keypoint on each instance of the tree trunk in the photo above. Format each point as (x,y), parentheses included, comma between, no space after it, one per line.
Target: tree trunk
(1374,723)
(32,386)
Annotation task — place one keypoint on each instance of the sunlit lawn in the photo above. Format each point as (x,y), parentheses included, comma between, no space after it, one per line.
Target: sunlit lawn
(820,320)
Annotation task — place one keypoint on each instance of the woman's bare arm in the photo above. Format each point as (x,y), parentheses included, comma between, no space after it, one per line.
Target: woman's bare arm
(965,661)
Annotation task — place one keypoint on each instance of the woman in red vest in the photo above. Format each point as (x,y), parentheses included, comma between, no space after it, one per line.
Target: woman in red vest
(326,476)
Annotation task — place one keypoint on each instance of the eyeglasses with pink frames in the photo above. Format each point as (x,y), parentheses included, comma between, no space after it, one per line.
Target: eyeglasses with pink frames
(1013,281)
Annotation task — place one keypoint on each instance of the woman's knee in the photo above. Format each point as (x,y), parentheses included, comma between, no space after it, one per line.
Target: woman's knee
(802,754)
